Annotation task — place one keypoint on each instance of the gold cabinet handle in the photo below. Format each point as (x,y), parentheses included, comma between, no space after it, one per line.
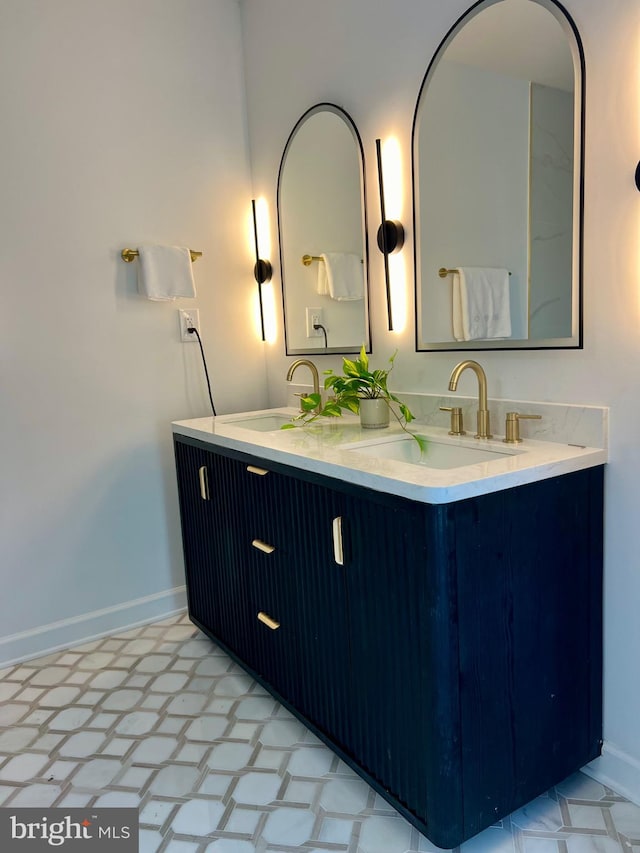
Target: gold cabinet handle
(253,469)
(268,621)
(263,546)
(338,550)
(204,483)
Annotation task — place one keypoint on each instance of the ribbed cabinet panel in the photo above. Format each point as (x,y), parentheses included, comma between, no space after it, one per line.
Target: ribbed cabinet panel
(403,647)
(215,583)
(325,654)
(204,548)
(529,623)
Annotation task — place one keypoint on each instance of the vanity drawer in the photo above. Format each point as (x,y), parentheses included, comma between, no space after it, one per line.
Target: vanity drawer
(267,507)
(270,616)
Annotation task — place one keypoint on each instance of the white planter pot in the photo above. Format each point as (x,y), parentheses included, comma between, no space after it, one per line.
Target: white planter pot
(374,414)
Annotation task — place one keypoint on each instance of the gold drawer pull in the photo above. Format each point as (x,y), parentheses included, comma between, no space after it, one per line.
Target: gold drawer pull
(252,469)
(338,550)
(204,483)
(268,621)
(263,546)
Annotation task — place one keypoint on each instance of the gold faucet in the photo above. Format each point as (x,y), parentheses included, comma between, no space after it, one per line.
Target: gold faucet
(314,374)
(484,426)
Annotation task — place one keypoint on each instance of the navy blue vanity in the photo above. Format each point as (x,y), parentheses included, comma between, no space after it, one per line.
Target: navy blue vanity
(451,653)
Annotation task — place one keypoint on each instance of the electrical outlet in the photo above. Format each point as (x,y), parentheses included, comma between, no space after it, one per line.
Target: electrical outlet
(314,317)
(189,319)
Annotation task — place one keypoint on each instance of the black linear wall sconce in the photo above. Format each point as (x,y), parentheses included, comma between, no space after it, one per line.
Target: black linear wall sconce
(638,176)
(390,236)
(262,270)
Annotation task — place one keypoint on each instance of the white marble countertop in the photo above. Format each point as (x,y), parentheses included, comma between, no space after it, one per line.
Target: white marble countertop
(339,449)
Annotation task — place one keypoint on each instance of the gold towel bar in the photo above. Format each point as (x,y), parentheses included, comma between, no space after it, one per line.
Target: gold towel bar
(129,255)
(443,272)
(307,260)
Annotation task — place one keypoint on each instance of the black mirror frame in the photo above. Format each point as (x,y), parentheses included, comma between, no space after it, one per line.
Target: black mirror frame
(570,23)
(334,108)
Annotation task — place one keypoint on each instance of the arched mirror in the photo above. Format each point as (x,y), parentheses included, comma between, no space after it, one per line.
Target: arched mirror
(323,235)
(497,182)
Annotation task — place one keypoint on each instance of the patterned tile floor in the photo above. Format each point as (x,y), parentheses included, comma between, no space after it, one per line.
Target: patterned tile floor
(160,718)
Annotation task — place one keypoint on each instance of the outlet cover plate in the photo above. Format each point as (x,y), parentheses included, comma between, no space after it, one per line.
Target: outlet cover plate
(189,318)
(313,317)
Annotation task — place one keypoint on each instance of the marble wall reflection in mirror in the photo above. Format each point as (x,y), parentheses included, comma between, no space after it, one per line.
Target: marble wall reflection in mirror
(322,211)
(497,172)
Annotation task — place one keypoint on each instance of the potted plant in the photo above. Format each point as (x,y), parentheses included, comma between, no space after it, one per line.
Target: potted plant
(361,391)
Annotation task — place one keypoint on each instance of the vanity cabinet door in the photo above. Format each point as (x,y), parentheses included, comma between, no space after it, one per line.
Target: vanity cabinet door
(322,605)
(385,558)
(403,639)
(209,513)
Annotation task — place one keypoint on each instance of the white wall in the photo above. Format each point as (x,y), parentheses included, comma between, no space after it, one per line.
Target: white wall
(122,122)
(370,57)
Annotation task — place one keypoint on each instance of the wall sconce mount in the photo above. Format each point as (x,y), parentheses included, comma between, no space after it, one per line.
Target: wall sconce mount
(262,271)
(390,236)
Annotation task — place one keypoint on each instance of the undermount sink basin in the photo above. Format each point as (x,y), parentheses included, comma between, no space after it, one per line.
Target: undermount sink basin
(437,454)
(261,423)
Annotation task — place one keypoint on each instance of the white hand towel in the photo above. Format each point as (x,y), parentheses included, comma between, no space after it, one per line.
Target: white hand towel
(323,282)
(481,306)
(458,331)
(345,276)
(164,272)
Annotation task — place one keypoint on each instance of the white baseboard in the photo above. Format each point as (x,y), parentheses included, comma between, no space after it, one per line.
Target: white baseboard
(618,770)
(55,636)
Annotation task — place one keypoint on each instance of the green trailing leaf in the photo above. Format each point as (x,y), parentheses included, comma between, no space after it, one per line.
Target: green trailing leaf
(331,410)
(380,379)
(364,359)
(352,404)
(288,426)
(351,367)
(422,442)
(406,413)
(310,402)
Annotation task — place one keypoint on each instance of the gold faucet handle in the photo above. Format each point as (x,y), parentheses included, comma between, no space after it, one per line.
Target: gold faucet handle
(512,426)
(457,425)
